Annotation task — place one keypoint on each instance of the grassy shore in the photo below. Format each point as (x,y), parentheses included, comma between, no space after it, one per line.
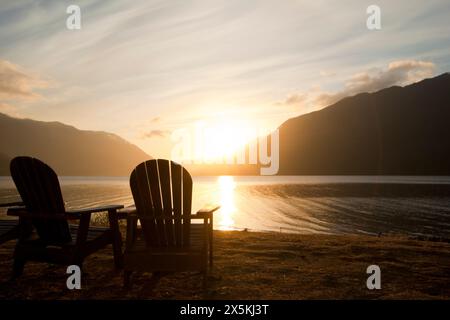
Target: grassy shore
(250,265)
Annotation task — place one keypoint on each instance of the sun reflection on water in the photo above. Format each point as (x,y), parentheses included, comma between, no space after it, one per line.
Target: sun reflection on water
(227,205)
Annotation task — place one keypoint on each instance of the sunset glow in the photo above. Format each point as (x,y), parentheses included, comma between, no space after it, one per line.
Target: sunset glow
(223,138)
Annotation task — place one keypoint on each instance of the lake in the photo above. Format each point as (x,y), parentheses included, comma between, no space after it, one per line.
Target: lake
(297,204)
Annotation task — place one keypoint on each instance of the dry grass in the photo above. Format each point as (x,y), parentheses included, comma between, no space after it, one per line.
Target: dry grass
(260,266)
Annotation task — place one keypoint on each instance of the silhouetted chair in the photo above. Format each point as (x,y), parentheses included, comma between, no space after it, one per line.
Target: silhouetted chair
(167,241)
(54,240)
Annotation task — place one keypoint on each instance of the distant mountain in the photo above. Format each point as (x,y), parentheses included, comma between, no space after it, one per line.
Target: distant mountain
(67,150)
(398,130)
(395,131)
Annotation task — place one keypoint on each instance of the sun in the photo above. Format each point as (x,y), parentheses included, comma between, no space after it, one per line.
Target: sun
(222,138)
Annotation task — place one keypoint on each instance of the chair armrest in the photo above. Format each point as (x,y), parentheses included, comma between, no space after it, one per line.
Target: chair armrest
(12,210)
(11,204)
(22,212)
(68,215)
(80,212)
(205,212)
(163,218)
(127,211)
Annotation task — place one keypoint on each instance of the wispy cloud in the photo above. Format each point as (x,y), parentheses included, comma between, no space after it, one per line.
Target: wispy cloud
(9,110)
(155,134)
(397,73)
(16,83)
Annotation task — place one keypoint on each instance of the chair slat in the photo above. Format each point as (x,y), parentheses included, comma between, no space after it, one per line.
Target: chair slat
(49,195)
(155,189)
(177,202)
(143,200)
(166,194)
(20,174)
(187,202)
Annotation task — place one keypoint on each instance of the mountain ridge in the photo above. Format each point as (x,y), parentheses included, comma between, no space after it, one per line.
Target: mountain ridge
(368,133)
(393,131)
(68,150)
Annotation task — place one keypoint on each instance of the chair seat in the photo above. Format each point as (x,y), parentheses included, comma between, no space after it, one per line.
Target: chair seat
(196,244)
(8,224)
(9,230)
(64,253)
(147,258)
(94,234)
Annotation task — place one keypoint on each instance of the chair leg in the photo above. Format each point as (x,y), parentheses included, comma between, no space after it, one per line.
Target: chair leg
(205,279)
(127,279)
(116,239)
(18,267)
(211,245)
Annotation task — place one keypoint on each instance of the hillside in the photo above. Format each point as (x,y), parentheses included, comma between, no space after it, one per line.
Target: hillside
(68,150)
(398,130)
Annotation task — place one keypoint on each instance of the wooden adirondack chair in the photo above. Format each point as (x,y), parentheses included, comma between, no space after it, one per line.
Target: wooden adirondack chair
(168,241)
(55,241)
(9,229)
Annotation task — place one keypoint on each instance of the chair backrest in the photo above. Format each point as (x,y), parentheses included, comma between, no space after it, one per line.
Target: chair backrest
(39,189)
(162,192)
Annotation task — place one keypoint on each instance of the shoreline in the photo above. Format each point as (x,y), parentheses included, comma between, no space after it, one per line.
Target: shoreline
(259,265)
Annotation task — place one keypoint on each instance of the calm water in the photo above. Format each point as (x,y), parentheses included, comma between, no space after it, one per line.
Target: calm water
(304,204)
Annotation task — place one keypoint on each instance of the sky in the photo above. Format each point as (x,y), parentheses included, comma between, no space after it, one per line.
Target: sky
(143,69)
